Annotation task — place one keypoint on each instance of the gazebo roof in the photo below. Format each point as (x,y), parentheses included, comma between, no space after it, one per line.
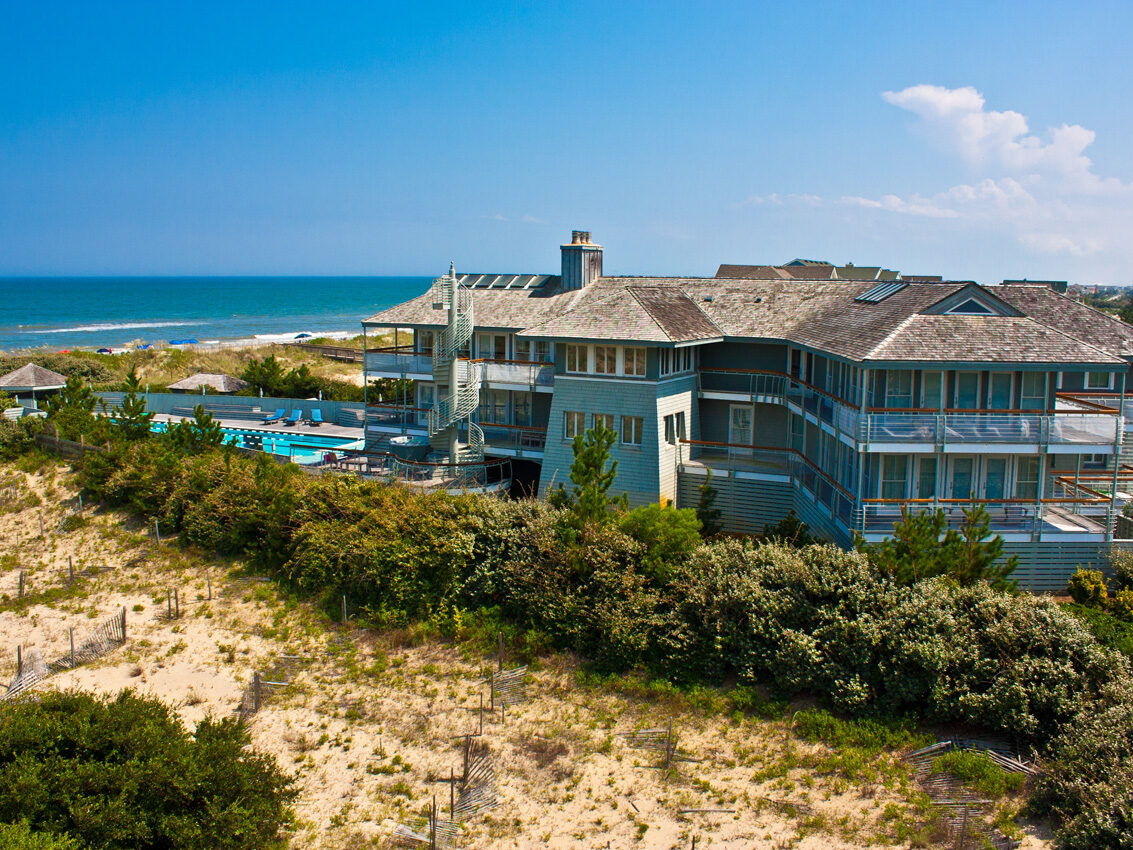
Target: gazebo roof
(31,377)
(220,383)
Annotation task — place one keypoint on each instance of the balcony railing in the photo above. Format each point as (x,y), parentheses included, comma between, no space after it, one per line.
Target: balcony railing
(396,415)
(1061,428)
(524,372)
(400,361)
(518,438)
(1083,514)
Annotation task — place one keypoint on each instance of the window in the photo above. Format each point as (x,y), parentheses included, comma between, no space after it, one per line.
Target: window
(491,346)
(967,390)
(635,362)
(675,427)
(740,425)
(1027,477)
(523,349)
(677,360)
(999,391)
(537,351)
(1099,380)
(926,478)
(961,478)
(666,361)
(606,359)
(605,419)
(426,398)
(543,351)
(522,402)
(796,432)
(995,477)
(493,406)
(425,341)
(574,423)
(899,388)
(577,358)
(931,390)
(1034,391)
(1095,461)
(894,470)
(796,363)
(631,430)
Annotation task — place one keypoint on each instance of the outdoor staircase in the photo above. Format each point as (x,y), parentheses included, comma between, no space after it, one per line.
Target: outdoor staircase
(454,411)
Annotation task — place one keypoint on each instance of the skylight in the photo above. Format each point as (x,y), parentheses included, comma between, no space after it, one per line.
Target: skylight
(881,291)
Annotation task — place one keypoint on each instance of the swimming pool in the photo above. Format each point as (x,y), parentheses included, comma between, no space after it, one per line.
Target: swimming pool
(300,448)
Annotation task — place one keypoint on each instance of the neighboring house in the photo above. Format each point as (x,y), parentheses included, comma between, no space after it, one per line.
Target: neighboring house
(846,401)
(202,381)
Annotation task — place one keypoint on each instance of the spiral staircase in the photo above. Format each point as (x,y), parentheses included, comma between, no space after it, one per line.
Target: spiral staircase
(453,412)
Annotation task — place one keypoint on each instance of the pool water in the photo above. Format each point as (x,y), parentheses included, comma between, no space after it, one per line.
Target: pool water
(300,448)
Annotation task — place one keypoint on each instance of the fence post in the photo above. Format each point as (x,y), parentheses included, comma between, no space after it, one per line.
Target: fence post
(156,530)
(452,795)
(255,692)
(344,609)
(433,825)
(21,592)
(70,570)
(208,578)
(169,603)
(123,623)
(71,631)
(176,603)
(19,661)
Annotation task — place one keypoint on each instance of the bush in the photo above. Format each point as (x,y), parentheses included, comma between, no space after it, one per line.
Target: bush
(19,836)
(668,535)
(123,772)
(1110,631)
(1122,604)
(1087,587)
(1122,562)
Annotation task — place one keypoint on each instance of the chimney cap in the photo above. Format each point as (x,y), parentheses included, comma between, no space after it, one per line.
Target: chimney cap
(581,237)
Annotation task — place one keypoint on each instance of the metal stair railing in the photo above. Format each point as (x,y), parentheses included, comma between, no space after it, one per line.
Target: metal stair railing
(464,397)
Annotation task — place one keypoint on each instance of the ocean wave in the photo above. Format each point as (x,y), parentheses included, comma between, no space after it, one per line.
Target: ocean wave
(123,326)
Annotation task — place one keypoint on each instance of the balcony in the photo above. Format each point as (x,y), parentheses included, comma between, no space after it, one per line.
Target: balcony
(520,373)
(399,362)
(1063,429)
(519,440)
(1065,515)
(396,417)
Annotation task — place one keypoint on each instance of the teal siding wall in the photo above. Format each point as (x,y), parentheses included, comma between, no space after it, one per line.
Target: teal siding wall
(741,355)
(747,506)
(638,468)
(1047,567)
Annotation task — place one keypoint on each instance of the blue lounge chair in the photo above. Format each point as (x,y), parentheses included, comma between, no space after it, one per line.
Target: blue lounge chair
(275,417)
(294,418)
(316,417)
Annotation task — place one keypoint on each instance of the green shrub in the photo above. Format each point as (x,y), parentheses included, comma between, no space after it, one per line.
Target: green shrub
(668,535)
(19,836)
(123,772)
(1087,587)
(1107,629)
(979,771)
(1122,604)
(1122,562)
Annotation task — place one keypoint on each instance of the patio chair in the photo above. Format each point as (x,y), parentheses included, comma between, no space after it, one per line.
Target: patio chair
(274,417)
(316,417)
(294,418)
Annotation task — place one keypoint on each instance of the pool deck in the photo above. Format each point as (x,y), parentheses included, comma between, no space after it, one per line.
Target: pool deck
(327,429)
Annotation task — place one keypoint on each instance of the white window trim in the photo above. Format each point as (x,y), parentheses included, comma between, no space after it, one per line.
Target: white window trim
(1086,380)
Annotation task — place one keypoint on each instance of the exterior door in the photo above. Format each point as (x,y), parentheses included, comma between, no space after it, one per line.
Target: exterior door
(995,478)
(967,390)
(740,425)
(491,346)
(960,480)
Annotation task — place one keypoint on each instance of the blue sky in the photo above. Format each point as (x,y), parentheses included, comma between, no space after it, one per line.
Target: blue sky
(975,140)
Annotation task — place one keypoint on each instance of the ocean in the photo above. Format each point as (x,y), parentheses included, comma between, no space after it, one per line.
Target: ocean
(111,312)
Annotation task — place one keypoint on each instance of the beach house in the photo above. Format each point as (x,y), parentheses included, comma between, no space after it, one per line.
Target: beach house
(843,393)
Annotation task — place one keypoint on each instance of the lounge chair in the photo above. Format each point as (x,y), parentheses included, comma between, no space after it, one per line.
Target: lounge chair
(275,417)
(294,418)
(316,417)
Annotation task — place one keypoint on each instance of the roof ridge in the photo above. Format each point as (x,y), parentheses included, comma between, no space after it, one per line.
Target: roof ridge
(889,336)
(1069,336)
(679,292)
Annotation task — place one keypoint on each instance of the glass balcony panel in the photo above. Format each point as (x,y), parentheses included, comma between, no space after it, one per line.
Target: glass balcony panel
(399,362)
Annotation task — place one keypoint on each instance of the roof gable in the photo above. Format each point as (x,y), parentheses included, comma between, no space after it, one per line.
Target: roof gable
(981,297)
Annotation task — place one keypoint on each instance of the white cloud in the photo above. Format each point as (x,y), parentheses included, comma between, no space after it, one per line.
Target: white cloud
(1040,190)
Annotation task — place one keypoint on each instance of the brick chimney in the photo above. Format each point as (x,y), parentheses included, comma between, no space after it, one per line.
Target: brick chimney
(582,261)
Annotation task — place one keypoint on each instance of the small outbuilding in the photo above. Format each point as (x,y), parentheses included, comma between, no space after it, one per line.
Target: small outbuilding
(31,379)
(221,384)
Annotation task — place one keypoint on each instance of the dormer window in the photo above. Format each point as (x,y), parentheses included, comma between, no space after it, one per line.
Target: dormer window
(972,307)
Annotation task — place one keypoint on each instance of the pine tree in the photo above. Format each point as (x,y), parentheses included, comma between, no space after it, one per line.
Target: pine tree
(706,510)
(72,409)
(593,473)
(130,415)
(196,435)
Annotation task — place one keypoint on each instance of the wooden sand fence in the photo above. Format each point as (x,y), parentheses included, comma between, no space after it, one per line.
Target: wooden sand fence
(102,639)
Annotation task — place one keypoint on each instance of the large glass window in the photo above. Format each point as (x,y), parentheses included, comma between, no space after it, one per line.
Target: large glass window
(740,425)
(926,478)
(493,406)
(961,483)
(899,388)
(967,390)
(522,403)
(1027,477)
(577,358)
(606,359)
(604,419)
(931,395)
(635,362)
(425,341)
(999,391)
(894,474)
(491,346)
(995,477)
(1033,391)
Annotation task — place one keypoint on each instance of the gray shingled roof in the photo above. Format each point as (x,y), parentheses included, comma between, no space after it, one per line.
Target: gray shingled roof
(31,377)
(822,315)
(1045,305)
(220,383)
(984,339)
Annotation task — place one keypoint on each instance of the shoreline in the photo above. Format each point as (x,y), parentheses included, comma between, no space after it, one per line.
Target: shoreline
(254,341)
